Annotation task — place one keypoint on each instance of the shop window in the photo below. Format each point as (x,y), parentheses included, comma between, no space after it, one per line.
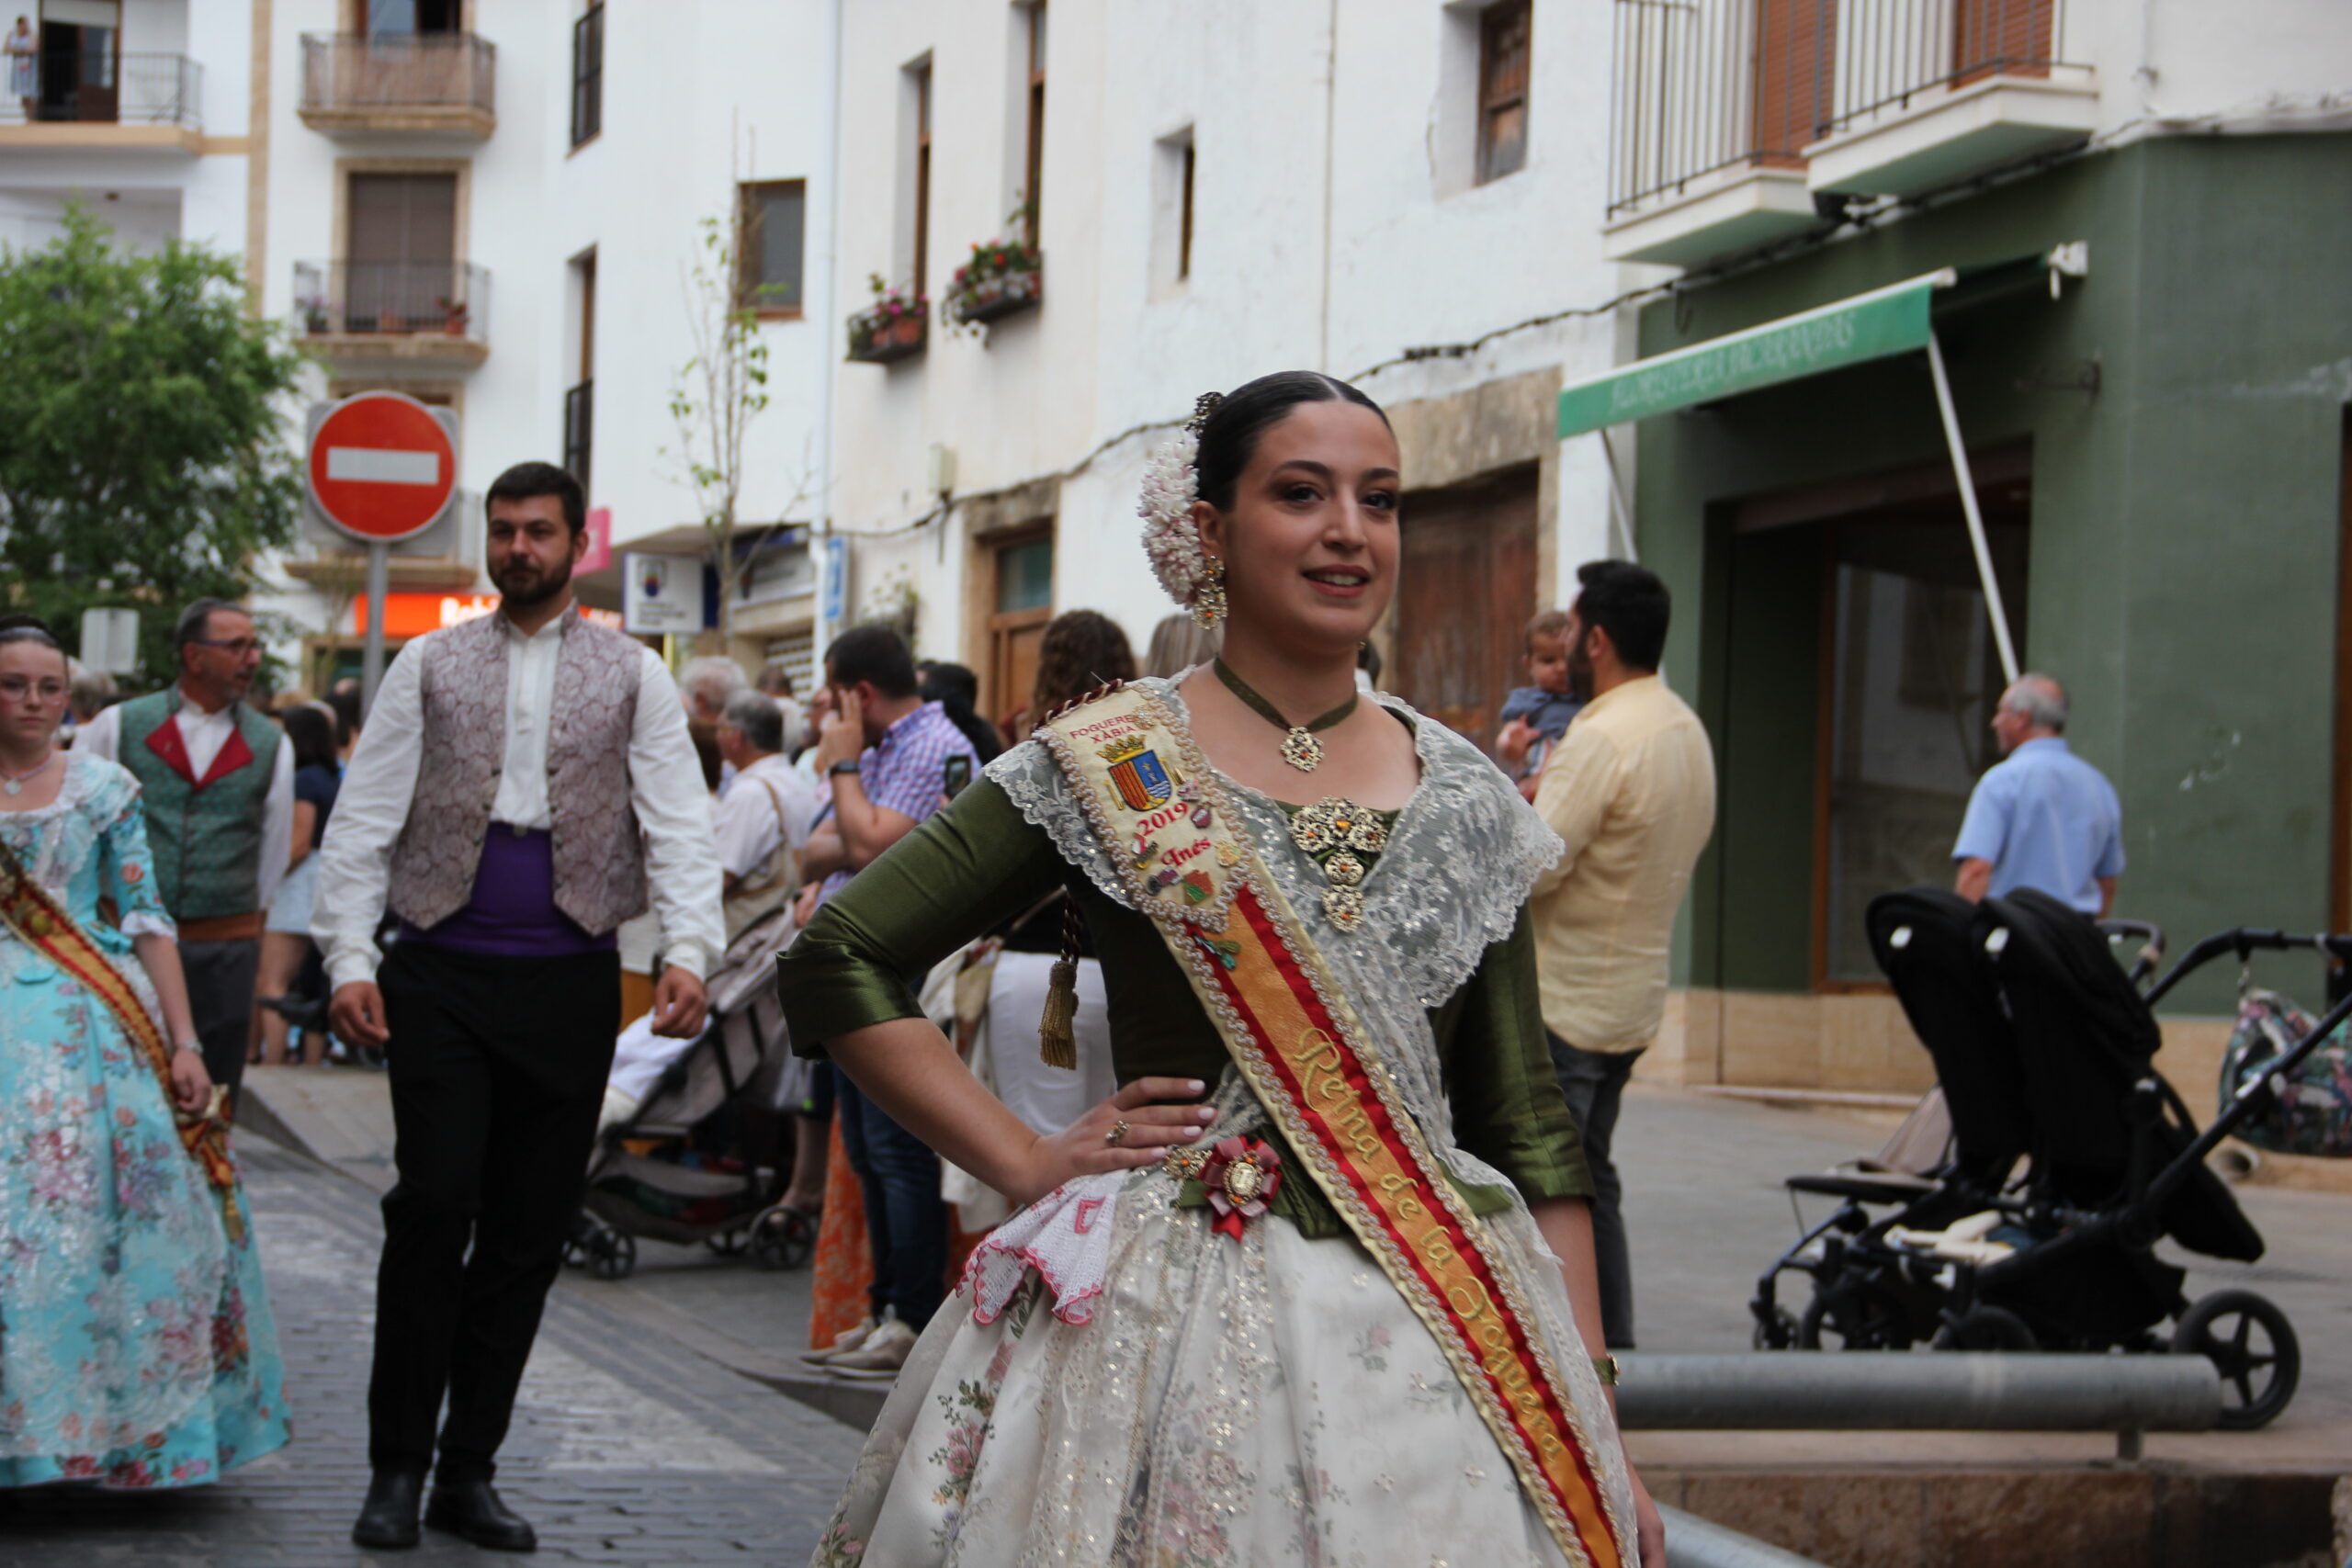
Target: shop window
(1911,678)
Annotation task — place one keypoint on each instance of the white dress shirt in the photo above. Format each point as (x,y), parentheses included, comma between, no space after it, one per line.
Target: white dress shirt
(204,734)
(665,789)
(752,820)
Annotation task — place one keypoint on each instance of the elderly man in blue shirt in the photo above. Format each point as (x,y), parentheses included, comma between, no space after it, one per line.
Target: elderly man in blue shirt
(2043,817)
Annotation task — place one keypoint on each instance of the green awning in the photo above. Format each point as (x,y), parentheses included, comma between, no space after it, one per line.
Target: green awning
(1884,322)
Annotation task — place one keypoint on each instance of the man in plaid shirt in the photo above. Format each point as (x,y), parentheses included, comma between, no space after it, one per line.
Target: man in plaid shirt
(887,754)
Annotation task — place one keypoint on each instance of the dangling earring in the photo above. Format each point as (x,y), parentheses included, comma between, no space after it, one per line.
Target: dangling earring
(1208,602)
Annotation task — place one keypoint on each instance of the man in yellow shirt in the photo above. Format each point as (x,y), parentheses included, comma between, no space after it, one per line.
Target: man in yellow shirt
(1631,790)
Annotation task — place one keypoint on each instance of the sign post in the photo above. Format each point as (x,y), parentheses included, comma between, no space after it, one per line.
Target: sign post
(382,468)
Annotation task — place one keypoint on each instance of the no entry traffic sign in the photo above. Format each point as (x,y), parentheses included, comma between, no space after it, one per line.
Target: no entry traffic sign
(381,467)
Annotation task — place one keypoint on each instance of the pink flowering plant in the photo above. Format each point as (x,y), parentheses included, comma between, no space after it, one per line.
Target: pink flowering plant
(896,317)
(1001,276)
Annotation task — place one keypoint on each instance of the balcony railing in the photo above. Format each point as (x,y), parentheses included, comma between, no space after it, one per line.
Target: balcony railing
(1702,87)
(1890,52)
(408,299)
(381,75)
(579,430)
(104,88)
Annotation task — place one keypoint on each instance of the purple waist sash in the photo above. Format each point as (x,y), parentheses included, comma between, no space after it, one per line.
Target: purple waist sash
(512,913)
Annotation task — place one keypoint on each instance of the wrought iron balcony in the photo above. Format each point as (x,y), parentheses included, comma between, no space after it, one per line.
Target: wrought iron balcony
(1702,86)
(59,99)
(1889,54)
(413,310)
(436,83)
(1928,92)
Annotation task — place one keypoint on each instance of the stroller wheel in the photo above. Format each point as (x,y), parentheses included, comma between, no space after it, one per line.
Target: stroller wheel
(575,1246)
(2252,1346)
(783,1238)
(726,1244)
(1778,1332)
(1857,1315)
(1986,1328)
(611,1255)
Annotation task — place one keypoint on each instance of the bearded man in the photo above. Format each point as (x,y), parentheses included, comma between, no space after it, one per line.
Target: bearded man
(525,783)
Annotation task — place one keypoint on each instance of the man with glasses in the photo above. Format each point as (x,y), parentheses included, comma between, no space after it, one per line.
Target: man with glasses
(216,783)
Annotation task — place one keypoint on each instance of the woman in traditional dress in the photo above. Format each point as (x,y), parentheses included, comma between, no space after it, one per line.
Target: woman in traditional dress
(136,1346)
(1315,1286)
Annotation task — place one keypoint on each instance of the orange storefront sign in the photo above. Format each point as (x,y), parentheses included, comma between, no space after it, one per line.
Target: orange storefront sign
(413,614)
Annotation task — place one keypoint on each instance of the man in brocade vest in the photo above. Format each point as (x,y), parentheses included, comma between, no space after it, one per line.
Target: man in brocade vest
(216,781)
(525,783)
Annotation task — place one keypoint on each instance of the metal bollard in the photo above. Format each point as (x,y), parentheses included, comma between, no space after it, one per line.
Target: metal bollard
(1694,1542)
(1839,1391)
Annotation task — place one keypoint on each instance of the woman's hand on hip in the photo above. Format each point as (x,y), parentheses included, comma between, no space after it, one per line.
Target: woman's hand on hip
(1159,1114)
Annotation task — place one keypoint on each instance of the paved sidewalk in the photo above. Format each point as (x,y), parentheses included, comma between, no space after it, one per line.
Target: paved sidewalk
(628,1448)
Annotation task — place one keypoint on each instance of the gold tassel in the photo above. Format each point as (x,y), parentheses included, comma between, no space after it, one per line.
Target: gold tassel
(1057,1030)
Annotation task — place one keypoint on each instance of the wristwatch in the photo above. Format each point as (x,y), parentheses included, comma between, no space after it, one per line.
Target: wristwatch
(1606,1366)
(840,768)
(195,1045)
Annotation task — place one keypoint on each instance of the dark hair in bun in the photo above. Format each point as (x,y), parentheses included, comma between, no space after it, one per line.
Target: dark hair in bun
(1229,434)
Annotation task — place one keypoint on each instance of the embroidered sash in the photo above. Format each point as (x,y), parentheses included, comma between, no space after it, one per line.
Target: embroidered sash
(35,915)
(1156,806)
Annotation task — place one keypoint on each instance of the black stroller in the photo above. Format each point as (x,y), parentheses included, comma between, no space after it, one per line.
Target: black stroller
(706,1154)
(2042,1044)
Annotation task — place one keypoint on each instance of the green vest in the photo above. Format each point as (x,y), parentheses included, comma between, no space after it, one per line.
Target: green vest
(206,837)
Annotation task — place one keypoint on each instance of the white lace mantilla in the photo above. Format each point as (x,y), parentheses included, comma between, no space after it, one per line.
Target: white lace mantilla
(1458,865)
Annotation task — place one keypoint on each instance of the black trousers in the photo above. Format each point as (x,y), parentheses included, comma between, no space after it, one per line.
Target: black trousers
(220,997)
(497,1070)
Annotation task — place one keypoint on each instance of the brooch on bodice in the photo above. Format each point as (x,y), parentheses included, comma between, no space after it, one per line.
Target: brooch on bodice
(1343,839)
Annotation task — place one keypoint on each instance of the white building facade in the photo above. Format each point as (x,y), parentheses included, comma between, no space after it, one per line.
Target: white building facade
(1394,193)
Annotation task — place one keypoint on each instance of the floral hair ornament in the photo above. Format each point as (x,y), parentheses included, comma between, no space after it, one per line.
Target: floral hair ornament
(1172,484)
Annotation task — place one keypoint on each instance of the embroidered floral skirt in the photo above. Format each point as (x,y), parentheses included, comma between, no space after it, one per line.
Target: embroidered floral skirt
(136,1344)
(1231,1404)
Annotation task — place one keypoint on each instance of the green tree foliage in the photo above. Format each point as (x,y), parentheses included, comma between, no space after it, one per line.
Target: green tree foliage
(144,455)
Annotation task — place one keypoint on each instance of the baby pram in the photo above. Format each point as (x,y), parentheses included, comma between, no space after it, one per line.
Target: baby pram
(707,1151)
(2070,1159)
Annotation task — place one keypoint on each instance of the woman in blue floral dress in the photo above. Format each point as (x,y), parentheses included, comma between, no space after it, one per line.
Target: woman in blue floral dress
(136,1345)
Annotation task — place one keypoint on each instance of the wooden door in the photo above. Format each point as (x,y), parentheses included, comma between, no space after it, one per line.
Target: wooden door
(1466,594)
(401,251)
(1022,605)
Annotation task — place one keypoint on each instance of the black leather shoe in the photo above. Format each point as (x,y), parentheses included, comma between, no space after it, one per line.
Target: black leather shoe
(388,1519)
(471,1509)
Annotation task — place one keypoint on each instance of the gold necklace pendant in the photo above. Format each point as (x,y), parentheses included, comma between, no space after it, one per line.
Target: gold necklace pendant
(1302,750)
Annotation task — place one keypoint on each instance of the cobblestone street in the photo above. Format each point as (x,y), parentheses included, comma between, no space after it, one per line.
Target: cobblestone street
(626,1447)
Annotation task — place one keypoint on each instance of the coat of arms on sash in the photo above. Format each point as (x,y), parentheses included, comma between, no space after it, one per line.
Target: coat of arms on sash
(1137,774)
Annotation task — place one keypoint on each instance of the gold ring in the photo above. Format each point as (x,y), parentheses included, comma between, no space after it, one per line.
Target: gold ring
(1118,1134)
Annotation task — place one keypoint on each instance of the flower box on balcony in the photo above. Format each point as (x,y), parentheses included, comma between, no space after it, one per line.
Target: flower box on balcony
(1002,277)
(894,327)
(1000,295)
